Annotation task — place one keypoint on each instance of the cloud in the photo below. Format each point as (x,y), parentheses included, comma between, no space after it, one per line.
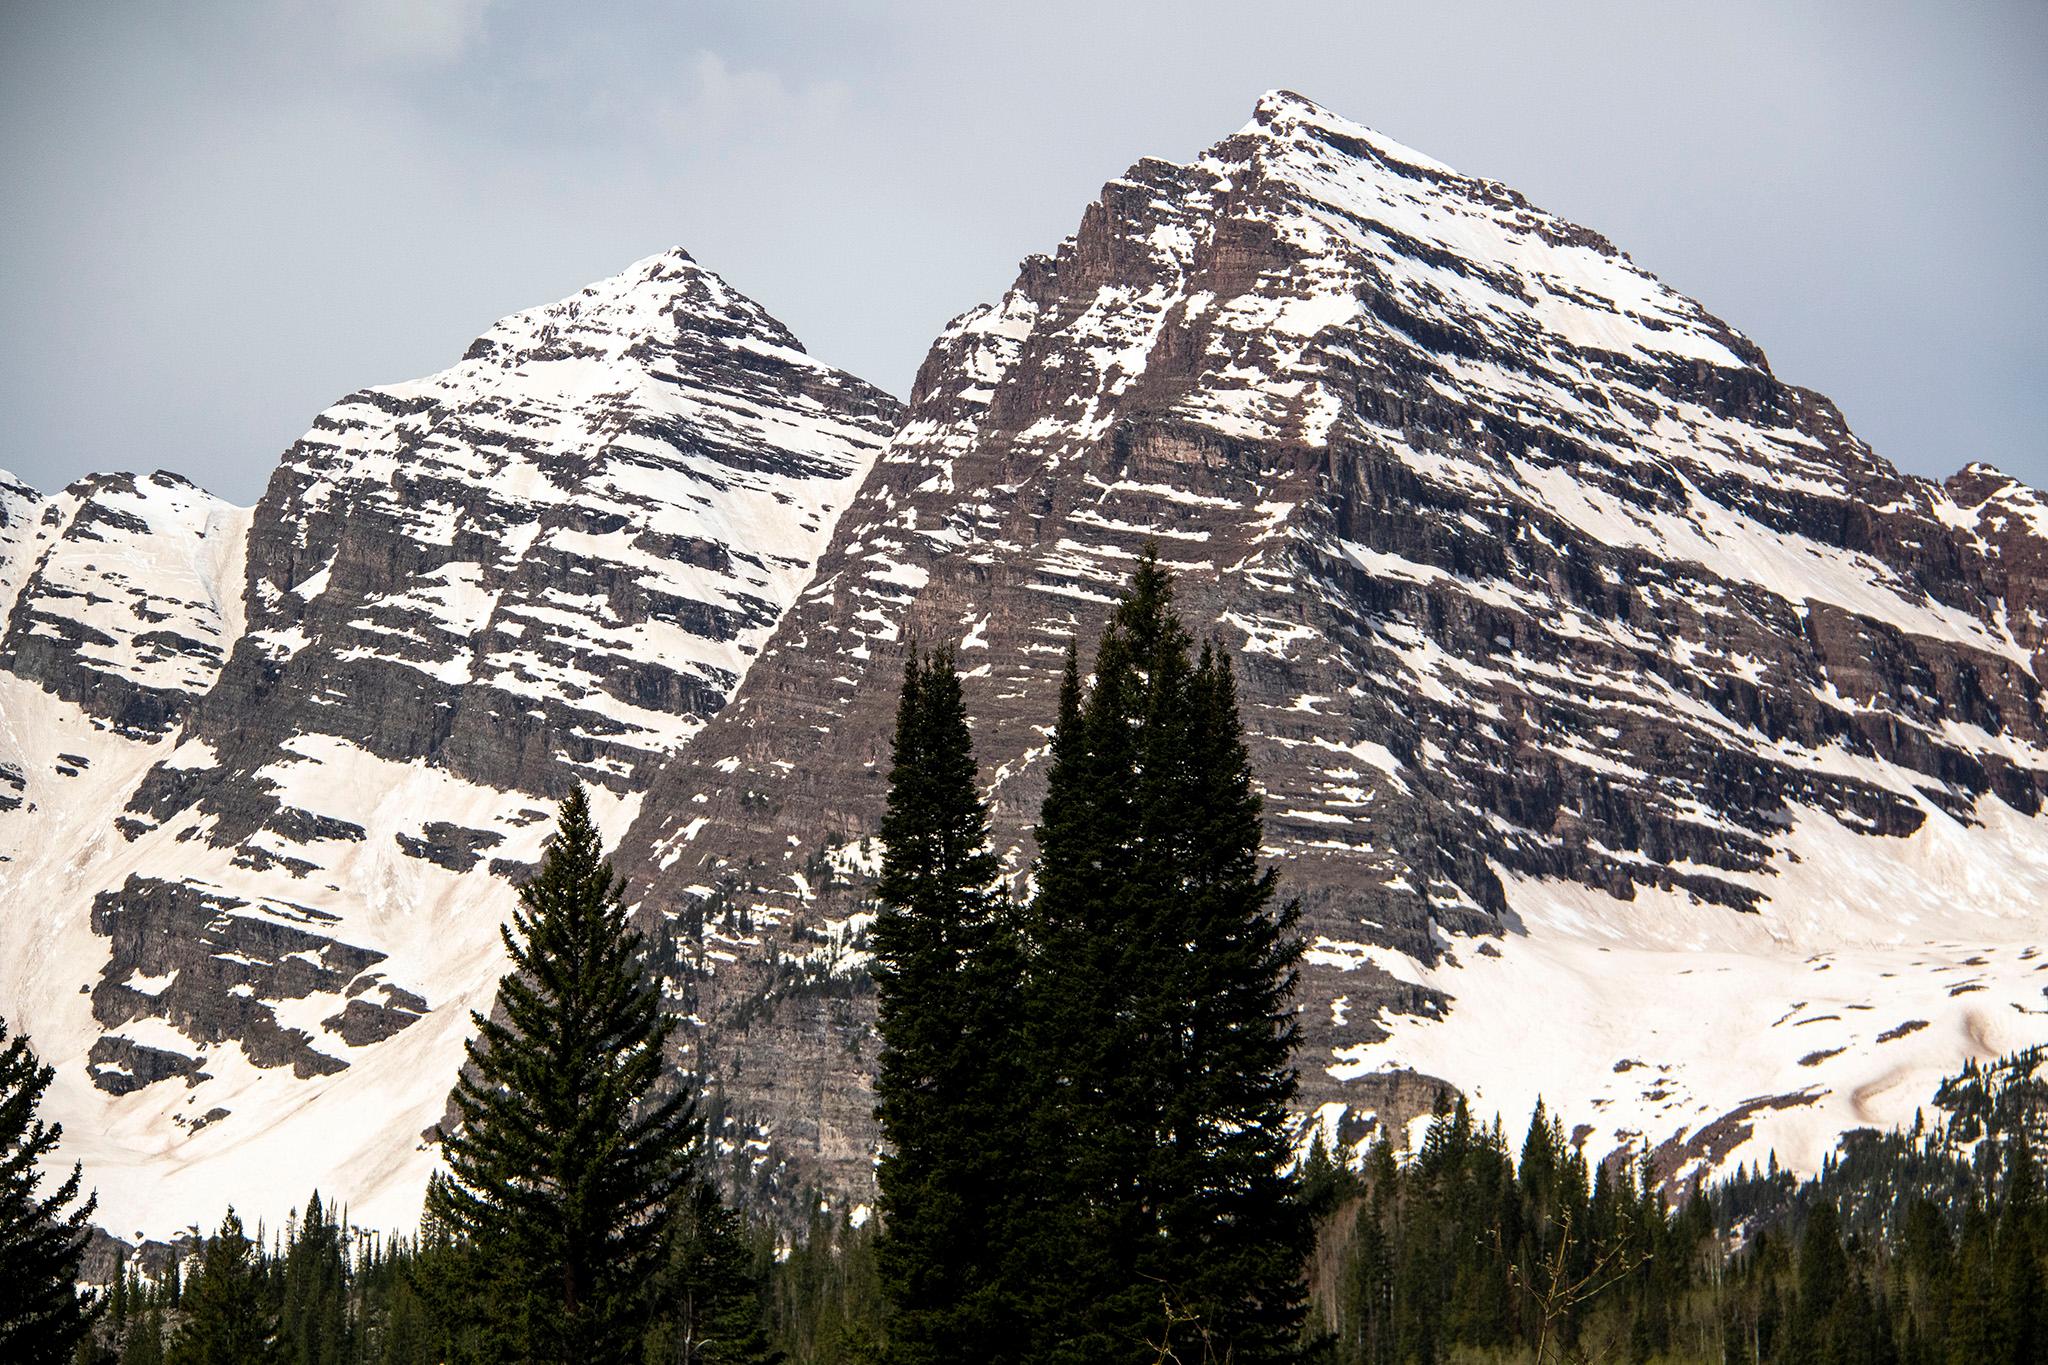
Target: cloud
(720,103)
(221,216)
(412,32)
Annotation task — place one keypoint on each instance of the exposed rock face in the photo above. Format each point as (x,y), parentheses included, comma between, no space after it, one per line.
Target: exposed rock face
(127,596)
(20,507)
(1563,626)
(569,546)
(2007,523)
(268,799)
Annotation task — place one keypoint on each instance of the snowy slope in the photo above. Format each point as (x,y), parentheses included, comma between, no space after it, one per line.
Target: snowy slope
(259,925)
(20,506)
(1610,696)
(599,512)
(201,1060)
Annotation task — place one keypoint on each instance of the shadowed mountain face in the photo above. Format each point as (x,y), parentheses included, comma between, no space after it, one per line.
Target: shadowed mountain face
(1631,734)
(1596,676)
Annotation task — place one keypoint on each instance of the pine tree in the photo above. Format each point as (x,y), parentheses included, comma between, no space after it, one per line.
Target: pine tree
(945,970)
(1160,1034)
(408,1337)
(567,1162)
(43,1315)
(226,1321)
(144,1344)
(707,1292)
(313,1325)
(2020,1288)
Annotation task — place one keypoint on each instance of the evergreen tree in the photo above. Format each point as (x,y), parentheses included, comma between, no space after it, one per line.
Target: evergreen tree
(144,1343)
(708,1291)
(455,1289)
(2019,1285)
(117,1294)
(567,1162)
(408,1337)
(226,1318)
(825,1296)
(313,1321)
(43,1315)
(945,970)
(1157,983)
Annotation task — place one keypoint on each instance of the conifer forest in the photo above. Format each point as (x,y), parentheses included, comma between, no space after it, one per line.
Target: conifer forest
(1091,1155)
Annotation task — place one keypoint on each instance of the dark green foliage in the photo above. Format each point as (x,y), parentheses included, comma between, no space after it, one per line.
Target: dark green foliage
(573,1226)
(327,1292)
(227,1316)
(709,1290)
(946,971)
(1159,1035)
(409,1335)
(143,1341)
(313,1311)
(1461,1254)
(825,1298)
(43,1316)
(566,1163)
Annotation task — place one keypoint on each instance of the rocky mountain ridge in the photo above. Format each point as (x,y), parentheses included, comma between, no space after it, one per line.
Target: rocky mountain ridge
(1631,733)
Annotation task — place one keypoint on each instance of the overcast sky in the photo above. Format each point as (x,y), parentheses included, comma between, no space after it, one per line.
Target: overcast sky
(220,218)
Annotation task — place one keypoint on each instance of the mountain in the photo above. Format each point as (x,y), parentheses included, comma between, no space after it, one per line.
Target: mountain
(1632,735)
(268,765)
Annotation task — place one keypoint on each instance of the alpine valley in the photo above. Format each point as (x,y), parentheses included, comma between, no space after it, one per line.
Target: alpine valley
(1632,735)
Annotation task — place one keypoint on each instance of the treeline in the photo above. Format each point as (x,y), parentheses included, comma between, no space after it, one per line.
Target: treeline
(321,1293)
(1465,1250)
(1909,1249)
(1084,1097)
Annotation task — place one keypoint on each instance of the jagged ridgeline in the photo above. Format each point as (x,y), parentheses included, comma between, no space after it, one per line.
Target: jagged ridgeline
(1631,733)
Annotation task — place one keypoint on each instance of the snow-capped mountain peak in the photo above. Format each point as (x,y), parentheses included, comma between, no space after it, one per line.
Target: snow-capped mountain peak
(269,766)
(1590,667)
(1631,733)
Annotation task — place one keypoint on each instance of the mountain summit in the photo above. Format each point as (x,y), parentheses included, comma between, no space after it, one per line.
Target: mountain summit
(1631,733)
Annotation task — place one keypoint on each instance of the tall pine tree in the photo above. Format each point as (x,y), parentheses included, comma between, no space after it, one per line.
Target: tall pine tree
(945,970)
(226,1315)
(313,1317)
(568,1161)
(1158,977)
(43,1315)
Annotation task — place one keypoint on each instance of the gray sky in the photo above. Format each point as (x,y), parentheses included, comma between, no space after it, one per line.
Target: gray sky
(220,218)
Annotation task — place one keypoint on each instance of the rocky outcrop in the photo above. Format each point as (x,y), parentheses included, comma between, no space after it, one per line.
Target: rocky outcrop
(551,562)
(125,596)
(554,560)
(1631,734)
(217,969)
